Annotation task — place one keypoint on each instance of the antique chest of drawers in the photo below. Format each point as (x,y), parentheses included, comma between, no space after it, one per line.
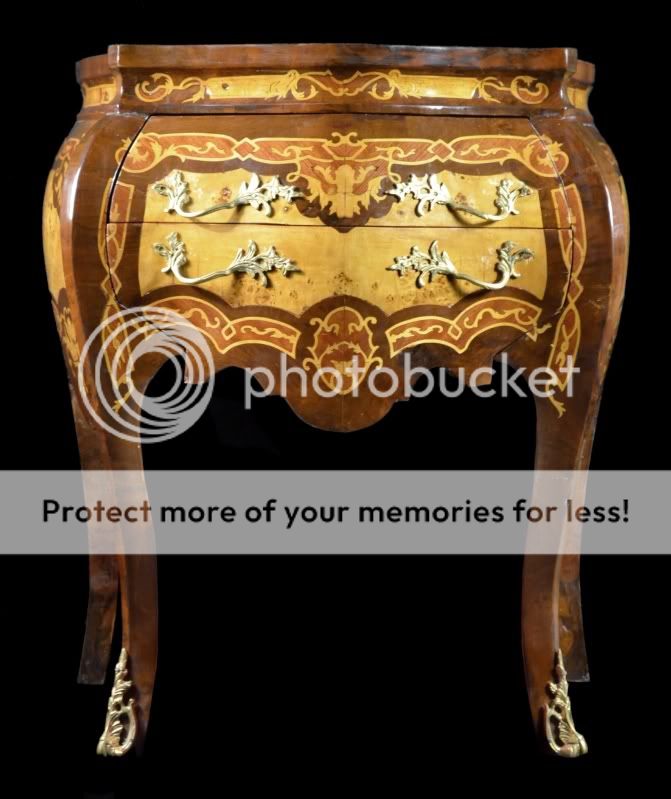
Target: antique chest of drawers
(328,203)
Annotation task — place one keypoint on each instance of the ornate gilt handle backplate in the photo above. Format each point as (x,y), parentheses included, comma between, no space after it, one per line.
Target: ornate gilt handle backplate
(255,193)
(429,192)
(439,263)
(251,261)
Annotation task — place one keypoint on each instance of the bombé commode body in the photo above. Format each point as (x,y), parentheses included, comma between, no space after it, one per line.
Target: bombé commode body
(323,202)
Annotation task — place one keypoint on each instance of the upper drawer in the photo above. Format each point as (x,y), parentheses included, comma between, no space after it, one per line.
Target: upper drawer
(342,171)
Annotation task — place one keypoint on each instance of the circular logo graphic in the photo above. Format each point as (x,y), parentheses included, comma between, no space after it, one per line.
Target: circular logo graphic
(127,337)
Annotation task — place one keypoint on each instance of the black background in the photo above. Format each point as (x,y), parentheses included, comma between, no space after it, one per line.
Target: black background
(333,673)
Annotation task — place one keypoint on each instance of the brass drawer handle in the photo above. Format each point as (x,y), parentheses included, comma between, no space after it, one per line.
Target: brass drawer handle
(255,193)
(439,263)
(251,261)
(428,192)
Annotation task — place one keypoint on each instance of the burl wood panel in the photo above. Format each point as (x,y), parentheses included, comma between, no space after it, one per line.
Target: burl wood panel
(332,265)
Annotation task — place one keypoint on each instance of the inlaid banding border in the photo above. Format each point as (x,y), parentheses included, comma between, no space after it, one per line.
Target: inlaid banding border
(378,85)
(573,241)
(458,332)
(542,156)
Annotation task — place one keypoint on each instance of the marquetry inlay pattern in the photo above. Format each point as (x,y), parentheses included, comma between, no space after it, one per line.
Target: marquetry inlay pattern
(338,219)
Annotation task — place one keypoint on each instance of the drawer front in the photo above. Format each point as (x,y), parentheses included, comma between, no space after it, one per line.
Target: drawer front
(341,171)
(330,303)
(294,268)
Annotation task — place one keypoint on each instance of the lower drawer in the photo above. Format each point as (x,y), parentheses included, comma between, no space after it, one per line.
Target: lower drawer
(292,268)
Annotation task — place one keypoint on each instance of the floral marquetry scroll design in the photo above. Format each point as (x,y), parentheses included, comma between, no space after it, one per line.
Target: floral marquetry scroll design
(573,242)
(310,157)
(61,164)
(381,86)
(458,332)
(226,333)
(543,156)
(525,88)
(345,174)
(68,336)
(342,349)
